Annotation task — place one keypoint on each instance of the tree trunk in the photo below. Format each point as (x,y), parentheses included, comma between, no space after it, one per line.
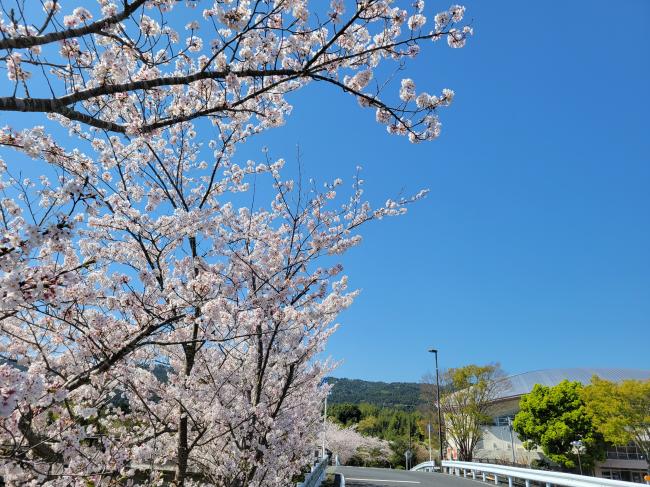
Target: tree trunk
(182,453)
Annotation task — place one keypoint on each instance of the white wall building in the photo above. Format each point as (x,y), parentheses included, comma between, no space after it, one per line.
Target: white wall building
(622,462)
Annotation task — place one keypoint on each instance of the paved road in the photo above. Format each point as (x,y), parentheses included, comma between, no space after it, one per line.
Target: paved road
(382,477)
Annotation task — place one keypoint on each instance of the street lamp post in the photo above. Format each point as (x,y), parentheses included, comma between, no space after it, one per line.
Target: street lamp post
(435,352)
(578,446)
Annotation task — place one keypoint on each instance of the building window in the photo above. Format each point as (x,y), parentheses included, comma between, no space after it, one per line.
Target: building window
(624,474)
(503,420)
(629,452)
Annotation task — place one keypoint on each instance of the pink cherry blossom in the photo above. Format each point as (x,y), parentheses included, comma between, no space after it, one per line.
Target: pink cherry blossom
(151,315)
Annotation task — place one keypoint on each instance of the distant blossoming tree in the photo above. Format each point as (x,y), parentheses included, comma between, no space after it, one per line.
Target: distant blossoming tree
(146,321)
(346,443)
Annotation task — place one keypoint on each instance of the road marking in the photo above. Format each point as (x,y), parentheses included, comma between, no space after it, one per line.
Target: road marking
(382,480)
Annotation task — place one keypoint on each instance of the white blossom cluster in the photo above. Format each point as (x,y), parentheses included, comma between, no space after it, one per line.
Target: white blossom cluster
(151,312)
(347,442)
(135,68)
(135,260)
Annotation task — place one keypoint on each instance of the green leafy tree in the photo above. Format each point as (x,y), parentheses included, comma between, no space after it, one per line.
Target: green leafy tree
(402,428)
(552,418)
(368,409)
(398,447)
(465,405)
(399,395)
(369,426)
(621,411)
(346,414)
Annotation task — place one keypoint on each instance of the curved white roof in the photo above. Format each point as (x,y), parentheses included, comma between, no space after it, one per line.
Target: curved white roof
(519,384)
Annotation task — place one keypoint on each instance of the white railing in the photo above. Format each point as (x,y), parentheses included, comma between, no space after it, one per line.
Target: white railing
(428,466)
(316,476)
(496,473)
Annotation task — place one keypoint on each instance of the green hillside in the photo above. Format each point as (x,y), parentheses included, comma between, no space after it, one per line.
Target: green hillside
(401,395)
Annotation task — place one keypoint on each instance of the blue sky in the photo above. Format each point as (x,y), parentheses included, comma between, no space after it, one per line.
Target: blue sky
(533,247)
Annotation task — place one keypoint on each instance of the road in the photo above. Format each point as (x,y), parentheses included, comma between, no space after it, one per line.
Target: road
(382,477)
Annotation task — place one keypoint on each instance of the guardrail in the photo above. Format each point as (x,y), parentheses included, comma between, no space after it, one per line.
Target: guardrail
(428,466)
(316,476)
(495,473)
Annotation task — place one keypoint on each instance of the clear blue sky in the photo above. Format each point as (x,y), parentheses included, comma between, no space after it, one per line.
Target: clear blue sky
(533,248)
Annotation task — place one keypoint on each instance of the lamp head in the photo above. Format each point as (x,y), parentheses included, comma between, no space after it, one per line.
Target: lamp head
(433,350)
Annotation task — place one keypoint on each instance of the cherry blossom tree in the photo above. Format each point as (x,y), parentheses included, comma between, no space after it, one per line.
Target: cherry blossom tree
(147,322)
(227,300)
(129,67)
(347,442)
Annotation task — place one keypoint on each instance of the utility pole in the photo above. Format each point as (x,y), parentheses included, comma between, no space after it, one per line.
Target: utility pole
(512,440)
(434,351)
(429,429)
(324,426)
(408,463)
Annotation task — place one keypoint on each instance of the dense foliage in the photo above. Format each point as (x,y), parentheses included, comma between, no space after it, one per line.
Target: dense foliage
(401,395)
(403,429)
(385,423)
(621,411)
(553,418)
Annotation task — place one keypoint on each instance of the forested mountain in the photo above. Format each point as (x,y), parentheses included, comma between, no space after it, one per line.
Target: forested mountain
(401,395)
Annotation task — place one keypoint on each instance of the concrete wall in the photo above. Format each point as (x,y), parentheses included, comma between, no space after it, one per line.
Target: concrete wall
(496,444)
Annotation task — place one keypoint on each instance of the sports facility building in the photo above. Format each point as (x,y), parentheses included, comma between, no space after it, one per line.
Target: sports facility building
(622,462)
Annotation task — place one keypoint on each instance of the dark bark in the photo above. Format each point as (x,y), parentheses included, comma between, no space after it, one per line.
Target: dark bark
(36,443)
(24,42)
(190,349)
(104,365)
